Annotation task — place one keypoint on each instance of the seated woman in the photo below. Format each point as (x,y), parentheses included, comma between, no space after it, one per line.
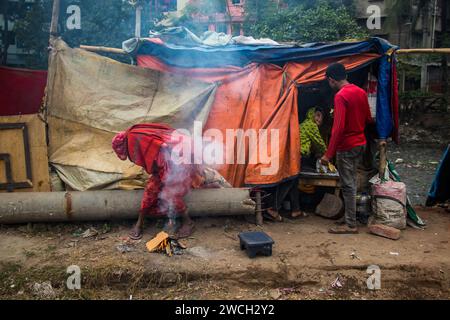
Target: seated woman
(310,137)
(280,193)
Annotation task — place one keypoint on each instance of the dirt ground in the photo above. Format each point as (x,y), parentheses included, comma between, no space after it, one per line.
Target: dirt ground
(305,262)
(416,166)
(306,259)
(423,140)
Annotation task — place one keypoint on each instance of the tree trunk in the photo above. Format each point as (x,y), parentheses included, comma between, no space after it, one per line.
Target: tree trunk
(258,13)
(444,58)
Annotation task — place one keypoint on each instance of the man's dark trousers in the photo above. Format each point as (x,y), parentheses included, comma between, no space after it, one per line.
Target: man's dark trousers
(347,163)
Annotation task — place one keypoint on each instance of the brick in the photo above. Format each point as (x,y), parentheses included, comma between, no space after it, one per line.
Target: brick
(385,231)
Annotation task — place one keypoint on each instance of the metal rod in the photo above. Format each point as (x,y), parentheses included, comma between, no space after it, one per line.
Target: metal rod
(10,185)
(259,217)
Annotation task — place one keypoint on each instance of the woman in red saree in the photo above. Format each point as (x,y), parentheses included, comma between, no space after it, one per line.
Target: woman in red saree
(150,146)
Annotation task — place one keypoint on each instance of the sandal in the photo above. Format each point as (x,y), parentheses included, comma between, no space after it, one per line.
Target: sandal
(136,234)
(297,214)
(273,215)
(185,230)
(343,230)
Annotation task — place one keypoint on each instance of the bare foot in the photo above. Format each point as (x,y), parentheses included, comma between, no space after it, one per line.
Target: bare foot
(186,230)
(136,233)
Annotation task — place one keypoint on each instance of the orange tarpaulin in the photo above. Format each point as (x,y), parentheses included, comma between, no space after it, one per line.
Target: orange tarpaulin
(260,96)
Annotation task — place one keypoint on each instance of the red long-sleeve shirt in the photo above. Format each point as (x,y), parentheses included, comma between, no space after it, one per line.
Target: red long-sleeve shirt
(351,115)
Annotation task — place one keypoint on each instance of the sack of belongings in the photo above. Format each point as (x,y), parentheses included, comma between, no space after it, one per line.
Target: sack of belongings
(389,204)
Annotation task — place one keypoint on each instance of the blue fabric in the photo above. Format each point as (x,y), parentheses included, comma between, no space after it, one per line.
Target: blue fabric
(440,188)
(384,113)
(199,56)
(384,117)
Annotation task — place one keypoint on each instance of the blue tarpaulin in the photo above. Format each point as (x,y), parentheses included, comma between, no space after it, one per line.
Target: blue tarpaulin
(179,49)
(199,56)
(440,188)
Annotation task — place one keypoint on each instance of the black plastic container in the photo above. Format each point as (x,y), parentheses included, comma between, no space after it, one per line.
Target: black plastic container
(256,243)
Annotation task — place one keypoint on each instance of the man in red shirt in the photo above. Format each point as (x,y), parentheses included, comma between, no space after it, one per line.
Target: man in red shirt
(351,115)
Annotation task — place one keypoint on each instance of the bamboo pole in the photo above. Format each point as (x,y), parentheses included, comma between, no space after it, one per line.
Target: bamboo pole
(400,51)
(424,50)
(383,158)
(102,49)
(55,19)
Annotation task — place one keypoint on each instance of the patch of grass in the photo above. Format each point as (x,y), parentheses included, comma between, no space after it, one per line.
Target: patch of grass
(8,268)
(29,253)
(106,228)
(8,280)
(50,248)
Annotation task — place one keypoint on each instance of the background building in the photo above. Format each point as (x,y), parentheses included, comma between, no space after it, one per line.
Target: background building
(9,45)
(229,21)
(418,24)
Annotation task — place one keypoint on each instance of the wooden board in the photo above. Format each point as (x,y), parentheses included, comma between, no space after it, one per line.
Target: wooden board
(319,182)
(12,143)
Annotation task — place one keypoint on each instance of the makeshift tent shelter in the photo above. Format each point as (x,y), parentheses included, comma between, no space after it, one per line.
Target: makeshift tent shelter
(258,88)
(251,86)
(90,98)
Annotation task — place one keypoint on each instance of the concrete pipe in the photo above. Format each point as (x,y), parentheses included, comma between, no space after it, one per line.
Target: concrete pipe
(113,205)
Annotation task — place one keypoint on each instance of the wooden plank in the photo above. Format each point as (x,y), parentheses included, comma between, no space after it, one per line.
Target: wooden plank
(310,175)
(11,142)
(320,182)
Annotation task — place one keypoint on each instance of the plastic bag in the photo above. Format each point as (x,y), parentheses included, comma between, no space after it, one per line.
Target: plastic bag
(389,204)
